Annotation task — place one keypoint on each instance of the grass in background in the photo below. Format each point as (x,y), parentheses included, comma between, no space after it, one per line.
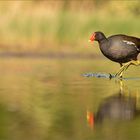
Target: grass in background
(38,26)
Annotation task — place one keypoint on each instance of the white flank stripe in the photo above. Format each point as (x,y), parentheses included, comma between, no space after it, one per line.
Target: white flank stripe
(129,42)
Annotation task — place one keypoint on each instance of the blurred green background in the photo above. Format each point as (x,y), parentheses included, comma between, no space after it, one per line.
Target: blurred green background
(63,25)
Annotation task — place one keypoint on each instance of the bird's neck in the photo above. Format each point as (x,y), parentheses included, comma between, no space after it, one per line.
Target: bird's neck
(103,39)
(104,45)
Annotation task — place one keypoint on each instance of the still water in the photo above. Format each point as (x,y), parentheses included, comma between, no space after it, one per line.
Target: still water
(49,99)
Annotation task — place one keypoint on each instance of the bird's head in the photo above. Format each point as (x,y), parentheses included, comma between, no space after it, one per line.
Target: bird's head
(97,36)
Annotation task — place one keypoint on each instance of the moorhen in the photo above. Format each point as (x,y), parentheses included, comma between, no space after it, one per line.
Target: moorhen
(119,48)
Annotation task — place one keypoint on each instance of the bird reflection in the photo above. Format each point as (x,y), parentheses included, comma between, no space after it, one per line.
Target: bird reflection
(122,106)
(117,107)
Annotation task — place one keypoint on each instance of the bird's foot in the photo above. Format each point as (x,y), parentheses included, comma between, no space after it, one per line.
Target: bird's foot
(125,67)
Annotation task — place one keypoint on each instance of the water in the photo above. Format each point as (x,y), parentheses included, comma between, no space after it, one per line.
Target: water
(49,99)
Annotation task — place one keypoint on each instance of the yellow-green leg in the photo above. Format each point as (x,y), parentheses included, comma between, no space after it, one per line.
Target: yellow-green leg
(125,67)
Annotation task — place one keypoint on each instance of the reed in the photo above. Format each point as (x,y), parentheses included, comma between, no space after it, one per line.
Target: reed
(38,26)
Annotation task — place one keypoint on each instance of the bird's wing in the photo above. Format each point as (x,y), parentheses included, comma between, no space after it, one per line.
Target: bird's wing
(128,40)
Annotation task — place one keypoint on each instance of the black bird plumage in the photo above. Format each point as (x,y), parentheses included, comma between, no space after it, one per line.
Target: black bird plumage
(119,48)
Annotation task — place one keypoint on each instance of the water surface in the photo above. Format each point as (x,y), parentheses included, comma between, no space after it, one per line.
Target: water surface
(49,99)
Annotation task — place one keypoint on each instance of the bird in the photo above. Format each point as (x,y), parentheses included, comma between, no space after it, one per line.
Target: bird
(119,48)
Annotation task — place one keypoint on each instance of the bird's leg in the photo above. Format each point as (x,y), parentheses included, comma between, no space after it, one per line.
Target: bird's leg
(122,69)
(125,67)
(122,72)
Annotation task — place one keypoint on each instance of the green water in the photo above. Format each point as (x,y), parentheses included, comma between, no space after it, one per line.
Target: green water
(48,99)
